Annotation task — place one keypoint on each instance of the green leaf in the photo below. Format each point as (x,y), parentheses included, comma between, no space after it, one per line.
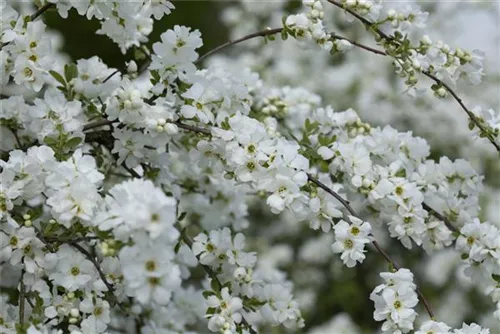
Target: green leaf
(58,77)
(70,72)
(214,284)
(73,142)
(50,141)
(284,35)
(401,173)
(496,277)
(177,247)
(208,293)
(211,310)
(182,216)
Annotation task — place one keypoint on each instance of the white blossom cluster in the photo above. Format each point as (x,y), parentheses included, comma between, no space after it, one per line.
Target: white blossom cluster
(117,192)
(127,23)
(266,297)
(395,300)
(400,31)
(309,26)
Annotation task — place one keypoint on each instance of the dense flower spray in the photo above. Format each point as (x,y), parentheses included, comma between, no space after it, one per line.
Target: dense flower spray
(124,203)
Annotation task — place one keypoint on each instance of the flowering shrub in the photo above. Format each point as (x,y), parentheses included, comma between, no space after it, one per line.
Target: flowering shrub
(131,202)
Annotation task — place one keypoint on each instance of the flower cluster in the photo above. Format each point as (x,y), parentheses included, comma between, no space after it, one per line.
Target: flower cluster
(394,301)
(309,26)
(27,54)
(127,23)
(350,240)
(248,293)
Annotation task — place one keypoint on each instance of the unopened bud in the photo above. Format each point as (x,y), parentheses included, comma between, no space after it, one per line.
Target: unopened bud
(132,67)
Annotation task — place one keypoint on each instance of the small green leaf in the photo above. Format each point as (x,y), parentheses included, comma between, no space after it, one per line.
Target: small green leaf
(70,72)
(284,35)
(50,141)
(177,247)
(208,293)
(73,142)
(58,77)
(214,284)
(182,216)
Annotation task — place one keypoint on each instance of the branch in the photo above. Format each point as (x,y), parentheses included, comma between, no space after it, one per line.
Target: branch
(262,33)
(97,124)
(440,217)
(377,246)
(40,11)
(111,75)
(371,26)
(22,296)
(92,259)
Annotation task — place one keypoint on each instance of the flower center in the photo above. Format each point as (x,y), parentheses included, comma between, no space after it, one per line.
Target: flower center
(75,271)
(354,230)
(210,247)
(251,165)
(150,265)
(399,190)
(98,311)
(348,244)
(470,240)
(154,280)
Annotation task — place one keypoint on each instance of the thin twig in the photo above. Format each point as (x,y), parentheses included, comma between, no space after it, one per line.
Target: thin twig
(359,45)
(371,26)
(22,296)
(18,140)
(439,216)
(73,240)
(377,246)
(262,33)
(111,75)
(40,11)
(192,128)
(97,124)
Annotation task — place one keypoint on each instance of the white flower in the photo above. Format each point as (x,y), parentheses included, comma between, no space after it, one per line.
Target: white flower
(73,271)
(135,206)
(394,302)
(435,327)
(350,240)
(148,270)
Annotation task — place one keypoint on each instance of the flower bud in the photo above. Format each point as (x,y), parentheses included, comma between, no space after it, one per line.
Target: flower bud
(171,129)
(132,67)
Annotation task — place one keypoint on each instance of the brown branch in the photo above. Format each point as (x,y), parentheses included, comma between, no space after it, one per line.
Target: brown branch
(110,76)
(22,296)
(40,11)
(262,33)
(192,128)
(439,216)
(377,246)
(97,124)
(371,26)
(359,45)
